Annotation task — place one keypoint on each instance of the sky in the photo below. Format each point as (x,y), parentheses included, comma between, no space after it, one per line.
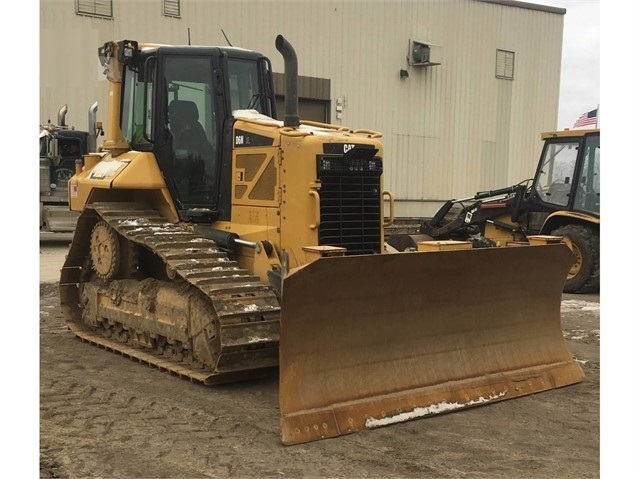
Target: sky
(580,63)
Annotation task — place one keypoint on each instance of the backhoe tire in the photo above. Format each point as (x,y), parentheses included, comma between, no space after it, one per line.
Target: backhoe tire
(584,274)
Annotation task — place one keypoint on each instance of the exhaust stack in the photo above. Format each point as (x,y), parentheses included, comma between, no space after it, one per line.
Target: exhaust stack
(62,113)
(291,115)
(93,127)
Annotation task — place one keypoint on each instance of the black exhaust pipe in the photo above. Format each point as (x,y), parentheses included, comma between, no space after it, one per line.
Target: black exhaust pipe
(291,115)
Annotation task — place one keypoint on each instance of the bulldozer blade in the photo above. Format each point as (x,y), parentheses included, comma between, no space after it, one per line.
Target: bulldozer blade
(373,340)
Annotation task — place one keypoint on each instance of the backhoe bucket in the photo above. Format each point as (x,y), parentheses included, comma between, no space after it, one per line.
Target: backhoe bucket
(373,340)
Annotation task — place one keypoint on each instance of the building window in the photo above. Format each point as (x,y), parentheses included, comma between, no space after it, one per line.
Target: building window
(99,8)
(505,66)
(171,8)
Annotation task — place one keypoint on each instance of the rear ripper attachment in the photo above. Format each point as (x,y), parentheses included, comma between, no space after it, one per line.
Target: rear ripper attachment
(392,337)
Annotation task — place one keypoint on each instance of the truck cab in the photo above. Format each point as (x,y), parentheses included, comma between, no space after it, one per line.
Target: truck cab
(60,148)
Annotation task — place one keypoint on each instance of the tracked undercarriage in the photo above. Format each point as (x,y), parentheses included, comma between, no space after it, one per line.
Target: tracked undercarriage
(164,295)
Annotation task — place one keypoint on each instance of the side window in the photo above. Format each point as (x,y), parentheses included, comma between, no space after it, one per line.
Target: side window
(134,109)
(244,86)
(556,175)
(588,193)
(44,146)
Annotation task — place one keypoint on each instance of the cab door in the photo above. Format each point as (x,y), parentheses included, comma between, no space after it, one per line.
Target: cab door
(188,129)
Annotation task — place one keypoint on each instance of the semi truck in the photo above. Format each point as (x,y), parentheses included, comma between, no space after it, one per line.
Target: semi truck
(61,146)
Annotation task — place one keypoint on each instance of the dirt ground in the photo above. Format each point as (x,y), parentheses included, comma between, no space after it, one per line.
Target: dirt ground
(103,415)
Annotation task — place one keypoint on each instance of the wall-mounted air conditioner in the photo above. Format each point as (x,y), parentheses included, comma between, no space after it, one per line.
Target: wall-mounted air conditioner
(423,54)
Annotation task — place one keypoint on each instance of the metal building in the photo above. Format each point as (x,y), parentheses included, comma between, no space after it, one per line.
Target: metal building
(460,89)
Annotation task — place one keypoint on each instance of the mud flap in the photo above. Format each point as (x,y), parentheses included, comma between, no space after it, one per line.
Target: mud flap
(372,340)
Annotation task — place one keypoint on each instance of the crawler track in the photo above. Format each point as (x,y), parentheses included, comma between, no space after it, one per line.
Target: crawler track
(242,314)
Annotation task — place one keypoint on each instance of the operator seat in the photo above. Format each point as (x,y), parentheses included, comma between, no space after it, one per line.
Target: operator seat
(187,131)
(192,150)
(559,193)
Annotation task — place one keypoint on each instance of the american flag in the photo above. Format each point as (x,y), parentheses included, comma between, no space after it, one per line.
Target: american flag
(588,118)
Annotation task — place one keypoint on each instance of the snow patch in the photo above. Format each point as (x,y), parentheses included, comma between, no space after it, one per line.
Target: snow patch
(256,116)
(578,334)
(579,305)
(136,222)
(158,230)
(438,408)
(258,339)
(318,130)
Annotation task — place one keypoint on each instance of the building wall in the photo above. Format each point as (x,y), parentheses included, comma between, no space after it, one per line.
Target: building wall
(449,130)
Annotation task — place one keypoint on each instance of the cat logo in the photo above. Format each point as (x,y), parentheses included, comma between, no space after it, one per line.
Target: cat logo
(348,147)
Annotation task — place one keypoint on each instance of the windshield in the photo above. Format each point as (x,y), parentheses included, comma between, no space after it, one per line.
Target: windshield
(570,168)
(557,170)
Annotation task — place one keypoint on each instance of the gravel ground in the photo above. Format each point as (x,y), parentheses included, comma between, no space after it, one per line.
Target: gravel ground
(102,415)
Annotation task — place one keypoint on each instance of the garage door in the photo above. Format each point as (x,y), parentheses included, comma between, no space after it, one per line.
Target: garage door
(314,98)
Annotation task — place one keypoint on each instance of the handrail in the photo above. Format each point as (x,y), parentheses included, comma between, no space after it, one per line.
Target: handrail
(324,125)
(316,196)
(370,133)
(391,205)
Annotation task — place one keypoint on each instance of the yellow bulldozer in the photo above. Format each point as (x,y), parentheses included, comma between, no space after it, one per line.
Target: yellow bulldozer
(220,244)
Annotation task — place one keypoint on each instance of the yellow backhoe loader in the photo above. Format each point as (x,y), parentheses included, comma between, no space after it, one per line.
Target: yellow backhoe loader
(218,243)
(561,200)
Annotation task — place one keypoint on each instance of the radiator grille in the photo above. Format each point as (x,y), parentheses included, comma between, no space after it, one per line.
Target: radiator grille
(350,204)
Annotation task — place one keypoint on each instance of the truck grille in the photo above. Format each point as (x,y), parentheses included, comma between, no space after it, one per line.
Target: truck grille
(350,203)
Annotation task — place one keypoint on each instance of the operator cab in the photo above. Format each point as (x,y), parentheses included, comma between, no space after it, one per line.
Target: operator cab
(568,176)
(177,101)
